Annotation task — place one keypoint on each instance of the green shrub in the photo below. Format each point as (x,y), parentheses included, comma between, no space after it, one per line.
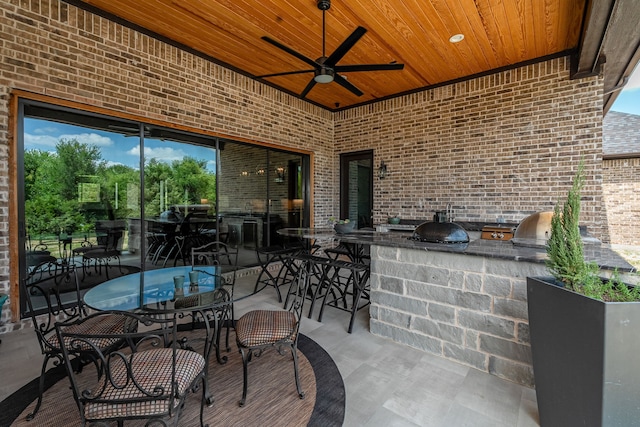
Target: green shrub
(566,253)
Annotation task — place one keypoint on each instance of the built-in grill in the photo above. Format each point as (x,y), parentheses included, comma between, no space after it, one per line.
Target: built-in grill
(440,232)
(534,230)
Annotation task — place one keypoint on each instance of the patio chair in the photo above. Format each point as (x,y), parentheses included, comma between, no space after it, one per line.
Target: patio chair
(51,291)
(148,379)
(107,250)
(220,254)
(258,330)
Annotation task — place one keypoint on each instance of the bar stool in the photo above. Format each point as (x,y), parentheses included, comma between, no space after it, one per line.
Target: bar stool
(271,254)
(317,272)
(335,253)
(354,287)
(355,253)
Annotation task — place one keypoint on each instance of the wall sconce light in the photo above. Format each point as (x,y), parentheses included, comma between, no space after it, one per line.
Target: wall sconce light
(280,171)
(244,173)
(259,170)
(382,170)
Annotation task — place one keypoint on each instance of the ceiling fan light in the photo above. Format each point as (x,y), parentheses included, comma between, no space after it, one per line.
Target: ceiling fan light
(324,75)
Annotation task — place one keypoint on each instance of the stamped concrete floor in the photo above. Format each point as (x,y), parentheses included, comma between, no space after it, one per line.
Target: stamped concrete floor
(387,384)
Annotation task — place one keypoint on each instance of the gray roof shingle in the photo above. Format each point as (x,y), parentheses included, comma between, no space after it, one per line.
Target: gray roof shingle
(620,134)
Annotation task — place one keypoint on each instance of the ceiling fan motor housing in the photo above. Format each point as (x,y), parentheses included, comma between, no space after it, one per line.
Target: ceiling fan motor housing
(324,4)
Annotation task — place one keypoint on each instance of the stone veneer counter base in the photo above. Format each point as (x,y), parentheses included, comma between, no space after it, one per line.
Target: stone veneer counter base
(466,303)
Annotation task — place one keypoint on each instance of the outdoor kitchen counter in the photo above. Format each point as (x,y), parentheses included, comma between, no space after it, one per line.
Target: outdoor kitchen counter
(593,250)
(463,302)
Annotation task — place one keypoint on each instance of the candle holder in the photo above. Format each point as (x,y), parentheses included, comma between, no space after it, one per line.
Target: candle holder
(178,282)
(193,280)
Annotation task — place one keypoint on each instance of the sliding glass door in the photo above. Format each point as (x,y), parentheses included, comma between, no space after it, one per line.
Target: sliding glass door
(261,190)
(92,183)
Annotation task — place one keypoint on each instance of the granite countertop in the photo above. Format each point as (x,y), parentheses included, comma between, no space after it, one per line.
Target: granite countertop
(593,250)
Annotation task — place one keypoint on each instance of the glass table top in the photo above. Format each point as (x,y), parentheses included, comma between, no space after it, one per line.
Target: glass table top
(159,291)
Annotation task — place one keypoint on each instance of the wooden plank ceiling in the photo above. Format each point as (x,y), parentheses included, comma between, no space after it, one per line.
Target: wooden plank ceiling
(497,33)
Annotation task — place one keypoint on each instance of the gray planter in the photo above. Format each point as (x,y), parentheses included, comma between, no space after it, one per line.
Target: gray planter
(585,357)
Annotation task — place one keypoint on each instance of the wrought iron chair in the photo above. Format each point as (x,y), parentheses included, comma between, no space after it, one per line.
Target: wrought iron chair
(107,250)
(258,330)
(196,234)
(221,255)
(147,379)
(52,293)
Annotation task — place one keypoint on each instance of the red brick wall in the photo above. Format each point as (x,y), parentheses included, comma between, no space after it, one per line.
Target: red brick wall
(505,145)
(50,48)
(621,190)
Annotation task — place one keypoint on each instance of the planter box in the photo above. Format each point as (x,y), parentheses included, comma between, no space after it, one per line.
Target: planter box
(585,357)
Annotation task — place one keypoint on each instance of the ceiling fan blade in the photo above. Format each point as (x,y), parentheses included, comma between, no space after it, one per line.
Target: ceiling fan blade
(345,84)
(291,52)
(286,73)
(344,47)
(367,67)
(310,86)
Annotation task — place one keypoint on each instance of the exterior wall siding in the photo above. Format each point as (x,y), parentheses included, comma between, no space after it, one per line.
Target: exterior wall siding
(621,192)
(505,145)
(51,48)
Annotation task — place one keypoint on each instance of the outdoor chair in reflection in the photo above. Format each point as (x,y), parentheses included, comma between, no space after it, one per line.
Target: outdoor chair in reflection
(51,292)
(147,379)
(258,330)
(157,235)
(107,250)
(194,231)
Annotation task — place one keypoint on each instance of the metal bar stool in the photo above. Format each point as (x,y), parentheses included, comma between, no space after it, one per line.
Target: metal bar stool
(347,291)
(271,254)
(317,271)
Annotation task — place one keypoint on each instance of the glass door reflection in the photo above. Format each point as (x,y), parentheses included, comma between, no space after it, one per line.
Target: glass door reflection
(179,198)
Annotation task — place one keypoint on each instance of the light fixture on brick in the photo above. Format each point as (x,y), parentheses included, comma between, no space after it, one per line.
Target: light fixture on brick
(280,171)
(382,170)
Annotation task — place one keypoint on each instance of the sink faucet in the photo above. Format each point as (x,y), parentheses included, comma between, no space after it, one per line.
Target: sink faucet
(449,212)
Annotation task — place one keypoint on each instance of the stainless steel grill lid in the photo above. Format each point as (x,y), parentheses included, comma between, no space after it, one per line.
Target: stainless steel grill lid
(536,226)
(534,230)
(440,232)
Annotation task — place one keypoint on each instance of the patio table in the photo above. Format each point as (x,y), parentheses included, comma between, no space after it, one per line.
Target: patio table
(206,299)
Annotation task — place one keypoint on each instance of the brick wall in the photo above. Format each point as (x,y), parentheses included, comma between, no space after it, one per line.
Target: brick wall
(503,145)
(621,191)
(621,176)
(51,48)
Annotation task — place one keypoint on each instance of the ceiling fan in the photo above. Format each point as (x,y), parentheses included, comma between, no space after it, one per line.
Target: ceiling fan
(325,69)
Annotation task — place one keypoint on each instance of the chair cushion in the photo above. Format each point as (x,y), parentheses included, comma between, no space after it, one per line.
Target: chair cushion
(94,326)
(151,369)
(262,327)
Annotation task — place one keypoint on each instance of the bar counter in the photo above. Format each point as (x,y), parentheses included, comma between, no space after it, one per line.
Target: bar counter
(464,302)
(593,249)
